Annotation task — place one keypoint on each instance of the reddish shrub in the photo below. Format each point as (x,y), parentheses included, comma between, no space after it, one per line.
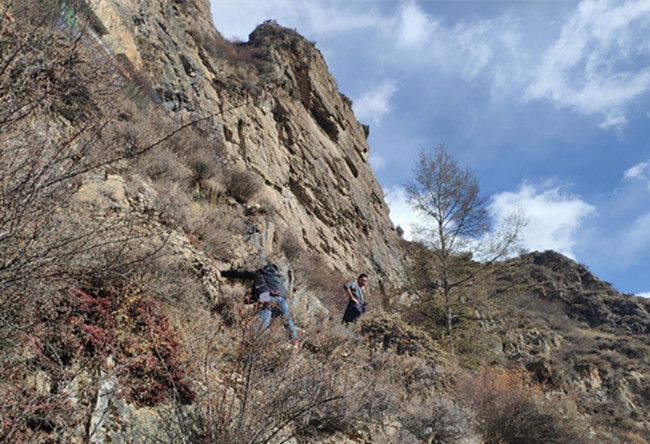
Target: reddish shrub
(76,324)
(27,416)
(93,325)
(151,365)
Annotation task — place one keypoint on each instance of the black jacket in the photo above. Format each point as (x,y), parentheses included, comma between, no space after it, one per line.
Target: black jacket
(267,278)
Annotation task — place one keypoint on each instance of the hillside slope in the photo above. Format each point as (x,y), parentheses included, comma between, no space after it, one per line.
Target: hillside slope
(577,335)
(277,113)
(142,154)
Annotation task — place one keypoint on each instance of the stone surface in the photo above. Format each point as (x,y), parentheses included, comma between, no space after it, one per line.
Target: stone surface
(278,112)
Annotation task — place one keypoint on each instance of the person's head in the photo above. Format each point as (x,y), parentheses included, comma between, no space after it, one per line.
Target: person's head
(362,280)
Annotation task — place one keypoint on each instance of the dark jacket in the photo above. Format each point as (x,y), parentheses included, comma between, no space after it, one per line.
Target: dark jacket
(267,278)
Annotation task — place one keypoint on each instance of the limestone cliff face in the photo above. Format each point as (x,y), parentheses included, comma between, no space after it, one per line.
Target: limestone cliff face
(277,112)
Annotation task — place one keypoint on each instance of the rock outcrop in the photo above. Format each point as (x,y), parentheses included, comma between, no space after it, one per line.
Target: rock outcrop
(116,327)
(276,111)
(576,334)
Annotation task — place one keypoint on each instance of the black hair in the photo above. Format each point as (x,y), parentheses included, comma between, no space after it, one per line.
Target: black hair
(362,275)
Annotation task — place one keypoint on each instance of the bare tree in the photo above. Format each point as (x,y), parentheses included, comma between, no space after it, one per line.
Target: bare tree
(67,118)
(456,231)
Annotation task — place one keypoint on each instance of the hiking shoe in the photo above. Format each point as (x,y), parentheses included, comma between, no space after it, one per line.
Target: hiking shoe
(296,343)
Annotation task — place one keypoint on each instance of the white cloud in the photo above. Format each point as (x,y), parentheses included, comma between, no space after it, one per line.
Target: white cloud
(475,46)
(590,67)
(488,50)
(640,171)
(374,105)
(414,26)
(635,242)
(330,17)
(238,18)
(377,161)
(400,211)
(554,216)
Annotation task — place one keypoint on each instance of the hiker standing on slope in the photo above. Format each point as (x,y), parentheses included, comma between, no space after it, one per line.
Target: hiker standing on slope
(271,295)
(356,301)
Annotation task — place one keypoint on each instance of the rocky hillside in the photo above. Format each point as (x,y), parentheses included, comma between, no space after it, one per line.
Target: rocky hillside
(141,153)
(276,112)
(578,336)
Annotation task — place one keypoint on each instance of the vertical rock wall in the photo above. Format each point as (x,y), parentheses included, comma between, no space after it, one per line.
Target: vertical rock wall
(278,112)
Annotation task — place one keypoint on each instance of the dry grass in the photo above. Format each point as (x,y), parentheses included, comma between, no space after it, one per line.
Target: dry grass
(165,166)
(218,230)
(510,408)
(313,273)
(242,185)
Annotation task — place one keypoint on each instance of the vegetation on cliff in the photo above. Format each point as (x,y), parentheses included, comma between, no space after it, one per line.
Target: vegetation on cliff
(122,198)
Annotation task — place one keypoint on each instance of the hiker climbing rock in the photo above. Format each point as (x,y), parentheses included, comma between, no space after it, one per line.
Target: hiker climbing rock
(356,300)
(270,294)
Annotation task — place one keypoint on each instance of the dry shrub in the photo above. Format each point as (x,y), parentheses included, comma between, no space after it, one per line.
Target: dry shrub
(255,389)
(390,332)
(171,280)
(86,326)
(199,135)
(28,416)
(173,205)
(510,409)
(438,420)
(72,337)
(200,151)
(64,120)
(164,166)
(473,343)
(220,48)
(332,341)
(262,390)
(379,386)
(244,64)
(368,393)
(242,185)
(150,369)
(290,245)
(187,156)
(218,230)
(327,284)
(203,164)
(230,308)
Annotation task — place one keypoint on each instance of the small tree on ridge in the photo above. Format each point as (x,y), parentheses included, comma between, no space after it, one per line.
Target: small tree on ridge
(456,228)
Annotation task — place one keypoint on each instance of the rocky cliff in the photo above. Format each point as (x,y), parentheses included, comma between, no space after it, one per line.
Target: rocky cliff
(141,153)
(276,111)
(577,335)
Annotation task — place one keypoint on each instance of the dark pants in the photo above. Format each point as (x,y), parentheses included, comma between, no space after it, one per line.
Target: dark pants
(353,311)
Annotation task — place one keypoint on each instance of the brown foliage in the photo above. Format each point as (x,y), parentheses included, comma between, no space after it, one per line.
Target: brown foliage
(510,409)
(242,185)
(60,121)
(390,332)
(315,274)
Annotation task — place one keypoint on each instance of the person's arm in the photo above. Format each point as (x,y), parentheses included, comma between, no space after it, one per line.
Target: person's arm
(350,294)
(238,274)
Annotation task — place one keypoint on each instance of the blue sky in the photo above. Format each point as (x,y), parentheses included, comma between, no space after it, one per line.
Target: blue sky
(547,101)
